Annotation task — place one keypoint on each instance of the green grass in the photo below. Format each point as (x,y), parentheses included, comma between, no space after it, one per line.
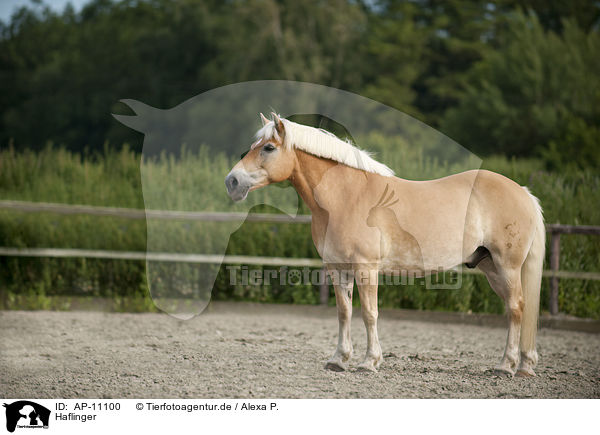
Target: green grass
(195,182)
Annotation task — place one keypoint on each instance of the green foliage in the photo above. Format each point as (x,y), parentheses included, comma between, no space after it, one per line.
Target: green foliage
(113,179)
(553,12)
(56,175)
(65,73)
(394,55)
(458,34)
(539,94)
(497,80)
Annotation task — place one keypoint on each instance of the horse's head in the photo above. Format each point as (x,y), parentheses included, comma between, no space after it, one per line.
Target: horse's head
(268,161)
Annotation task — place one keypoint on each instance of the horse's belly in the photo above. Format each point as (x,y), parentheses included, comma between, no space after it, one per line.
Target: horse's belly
(400,253)
(407,254)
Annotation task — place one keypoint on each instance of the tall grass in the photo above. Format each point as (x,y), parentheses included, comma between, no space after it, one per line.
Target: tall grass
(194,182)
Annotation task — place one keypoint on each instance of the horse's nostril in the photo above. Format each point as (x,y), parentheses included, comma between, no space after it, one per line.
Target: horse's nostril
(231,182)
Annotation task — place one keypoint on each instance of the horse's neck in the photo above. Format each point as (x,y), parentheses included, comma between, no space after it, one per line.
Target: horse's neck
(309,173)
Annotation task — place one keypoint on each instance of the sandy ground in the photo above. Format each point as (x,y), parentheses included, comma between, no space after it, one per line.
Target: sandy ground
(250,351)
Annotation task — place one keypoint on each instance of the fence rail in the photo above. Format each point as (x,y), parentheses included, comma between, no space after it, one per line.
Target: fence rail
(135,213)
(555,231)
(160,256)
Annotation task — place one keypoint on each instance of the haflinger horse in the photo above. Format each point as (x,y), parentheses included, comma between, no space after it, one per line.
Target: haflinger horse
(368,221)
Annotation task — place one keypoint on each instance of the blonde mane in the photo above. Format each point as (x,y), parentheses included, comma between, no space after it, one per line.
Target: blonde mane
(324,144)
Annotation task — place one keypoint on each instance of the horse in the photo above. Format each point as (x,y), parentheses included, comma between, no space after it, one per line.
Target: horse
(477,218)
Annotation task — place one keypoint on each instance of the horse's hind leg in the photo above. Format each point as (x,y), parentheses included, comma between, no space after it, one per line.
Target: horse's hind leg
(367,281)
(343,286)
(506,282)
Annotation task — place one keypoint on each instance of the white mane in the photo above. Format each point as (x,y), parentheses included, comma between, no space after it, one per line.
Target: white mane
(322,143)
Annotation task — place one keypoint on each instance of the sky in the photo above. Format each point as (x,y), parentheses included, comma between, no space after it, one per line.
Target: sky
(7,7)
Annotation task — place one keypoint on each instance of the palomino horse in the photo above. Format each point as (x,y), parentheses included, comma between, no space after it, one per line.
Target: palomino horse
(368,221)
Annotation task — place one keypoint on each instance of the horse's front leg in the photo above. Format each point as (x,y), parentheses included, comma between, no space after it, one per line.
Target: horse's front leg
(367,281)
(343,285)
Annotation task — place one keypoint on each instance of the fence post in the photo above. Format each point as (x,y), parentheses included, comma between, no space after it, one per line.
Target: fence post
(554,265)
(324,288)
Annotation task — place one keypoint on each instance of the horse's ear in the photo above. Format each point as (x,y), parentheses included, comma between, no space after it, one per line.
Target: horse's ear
(264,119)
(278,125)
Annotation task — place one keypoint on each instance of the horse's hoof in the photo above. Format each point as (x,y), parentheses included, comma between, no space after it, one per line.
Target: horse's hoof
(336,366)
(503,372)
(524,372)
(366,367)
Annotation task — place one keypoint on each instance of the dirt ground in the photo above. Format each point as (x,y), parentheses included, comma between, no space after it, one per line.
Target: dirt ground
(253,351)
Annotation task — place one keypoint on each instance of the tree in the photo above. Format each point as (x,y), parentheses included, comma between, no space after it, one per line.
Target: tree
(458,34)
(394,55)
(552,13)
(312,41)
(539,88)
(65,73)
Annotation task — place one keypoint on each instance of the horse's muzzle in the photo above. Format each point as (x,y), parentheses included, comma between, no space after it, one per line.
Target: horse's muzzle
(237,185)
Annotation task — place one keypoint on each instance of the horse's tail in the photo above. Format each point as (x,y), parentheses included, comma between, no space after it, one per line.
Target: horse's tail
(531,281)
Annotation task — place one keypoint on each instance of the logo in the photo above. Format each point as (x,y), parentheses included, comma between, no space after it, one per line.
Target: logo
(26,414)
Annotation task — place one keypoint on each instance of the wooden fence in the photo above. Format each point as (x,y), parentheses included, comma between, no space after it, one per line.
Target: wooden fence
(553,273)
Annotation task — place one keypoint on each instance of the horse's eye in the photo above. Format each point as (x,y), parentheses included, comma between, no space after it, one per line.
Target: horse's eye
(269,148)
(244,155)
